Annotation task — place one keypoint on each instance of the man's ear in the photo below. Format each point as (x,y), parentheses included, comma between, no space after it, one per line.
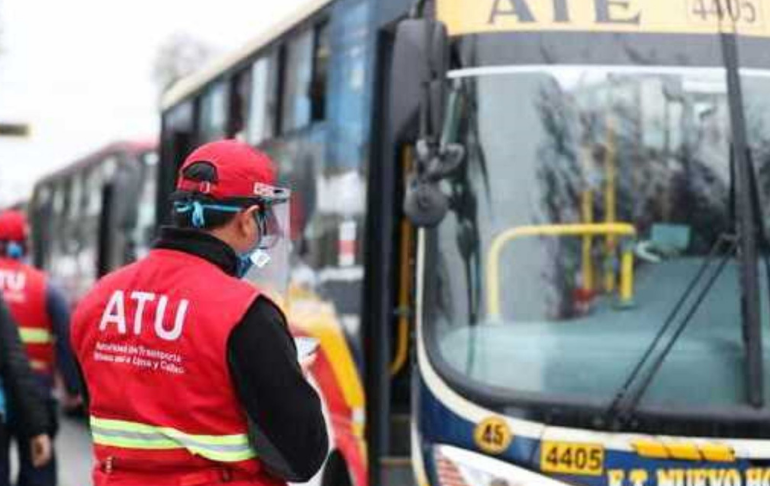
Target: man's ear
(247,219)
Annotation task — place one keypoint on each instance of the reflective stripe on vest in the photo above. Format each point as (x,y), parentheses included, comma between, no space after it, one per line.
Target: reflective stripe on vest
(31,335)
(132,435)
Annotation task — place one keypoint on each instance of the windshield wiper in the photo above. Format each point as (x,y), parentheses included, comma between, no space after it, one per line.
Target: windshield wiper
(627,397)
(747,219)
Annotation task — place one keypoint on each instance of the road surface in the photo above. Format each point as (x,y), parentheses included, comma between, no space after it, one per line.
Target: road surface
(74,452)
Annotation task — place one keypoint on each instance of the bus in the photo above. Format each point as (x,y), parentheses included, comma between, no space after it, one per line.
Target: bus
(94,215)
(530,235)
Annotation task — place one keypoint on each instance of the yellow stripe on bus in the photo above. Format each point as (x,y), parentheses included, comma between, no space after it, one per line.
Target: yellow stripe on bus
(717,453)
(317,318)
(684,450)
(749,17)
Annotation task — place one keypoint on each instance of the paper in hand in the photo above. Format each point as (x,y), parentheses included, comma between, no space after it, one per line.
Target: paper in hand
(306,348)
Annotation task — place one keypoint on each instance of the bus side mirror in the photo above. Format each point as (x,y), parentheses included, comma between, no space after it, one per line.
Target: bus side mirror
(425,204)
(418,79)
(418,91)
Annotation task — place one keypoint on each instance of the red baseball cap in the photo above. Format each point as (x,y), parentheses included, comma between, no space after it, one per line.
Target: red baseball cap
(241,172)
(13,226)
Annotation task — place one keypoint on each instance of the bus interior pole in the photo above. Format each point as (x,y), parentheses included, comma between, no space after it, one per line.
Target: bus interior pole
(746,221)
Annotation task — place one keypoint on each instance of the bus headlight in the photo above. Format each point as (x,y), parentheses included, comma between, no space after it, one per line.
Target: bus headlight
(459,467)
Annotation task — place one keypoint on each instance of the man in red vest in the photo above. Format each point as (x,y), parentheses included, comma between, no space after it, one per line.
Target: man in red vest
(42,315)
(192,376)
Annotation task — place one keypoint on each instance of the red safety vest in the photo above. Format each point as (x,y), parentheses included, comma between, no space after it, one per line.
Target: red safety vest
(24,289)
(152,343)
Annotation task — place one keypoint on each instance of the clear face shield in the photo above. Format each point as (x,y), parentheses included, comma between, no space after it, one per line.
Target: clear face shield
(270,260)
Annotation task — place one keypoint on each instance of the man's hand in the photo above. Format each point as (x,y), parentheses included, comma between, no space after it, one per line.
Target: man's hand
(307,362)
(41,450)
(72,403)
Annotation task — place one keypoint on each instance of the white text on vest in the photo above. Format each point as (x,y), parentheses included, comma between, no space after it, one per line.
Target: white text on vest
(12,281)
(115,313)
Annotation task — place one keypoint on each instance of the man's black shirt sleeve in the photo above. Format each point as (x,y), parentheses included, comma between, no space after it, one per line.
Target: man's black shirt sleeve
(287,424)
(58,310)
(25,394)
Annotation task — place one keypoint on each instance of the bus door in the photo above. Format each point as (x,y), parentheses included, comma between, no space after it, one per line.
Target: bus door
(119,216)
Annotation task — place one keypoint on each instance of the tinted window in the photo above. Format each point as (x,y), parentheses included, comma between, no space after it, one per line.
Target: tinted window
(321,56)
(213,114)
(58,200)
(239,104)
(67,198)
(75,197)
(43,197)
(145,225)
(262,111)
(298,72)
(109,167)
(93,191)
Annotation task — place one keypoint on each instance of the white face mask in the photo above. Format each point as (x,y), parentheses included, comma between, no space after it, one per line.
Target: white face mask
(260,258)
(257,257)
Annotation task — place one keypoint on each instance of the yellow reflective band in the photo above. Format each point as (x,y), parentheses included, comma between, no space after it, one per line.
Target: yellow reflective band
(129,443)
(30,335)
(133,435)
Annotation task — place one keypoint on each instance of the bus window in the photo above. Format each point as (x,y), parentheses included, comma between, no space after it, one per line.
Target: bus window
(54,244)
(177,142)
(264,81)
(93,189)
(321,53)
(213,113)
(58,201)
(75,199)
(109,167)
(43,198)
(67,200)
(145,223)
(297,69)
(41,221)
(239,104)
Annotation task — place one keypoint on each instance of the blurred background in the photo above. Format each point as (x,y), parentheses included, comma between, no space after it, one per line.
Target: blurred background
(77,75)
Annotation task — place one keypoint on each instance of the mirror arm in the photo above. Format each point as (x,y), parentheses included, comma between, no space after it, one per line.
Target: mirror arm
(418,9)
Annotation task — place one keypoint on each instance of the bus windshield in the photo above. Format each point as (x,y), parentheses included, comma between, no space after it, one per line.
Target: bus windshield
(588,201)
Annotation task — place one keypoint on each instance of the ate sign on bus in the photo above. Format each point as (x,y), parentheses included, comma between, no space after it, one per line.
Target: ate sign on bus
(747,17)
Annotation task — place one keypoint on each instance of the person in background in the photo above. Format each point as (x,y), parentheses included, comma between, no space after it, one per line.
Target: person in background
(191,375)
(20,392)
(43,317)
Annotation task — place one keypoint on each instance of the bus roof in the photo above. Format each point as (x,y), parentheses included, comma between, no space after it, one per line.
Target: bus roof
(94,157)
(192,83)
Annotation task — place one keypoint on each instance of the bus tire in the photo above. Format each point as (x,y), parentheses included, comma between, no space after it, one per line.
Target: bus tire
(336,471)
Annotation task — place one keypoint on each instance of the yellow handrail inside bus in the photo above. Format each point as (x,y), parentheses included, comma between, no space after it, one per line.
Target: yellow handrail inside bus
(610,201)
(587,217)
(560,230)
(404,292)
(588,241)
(404,286)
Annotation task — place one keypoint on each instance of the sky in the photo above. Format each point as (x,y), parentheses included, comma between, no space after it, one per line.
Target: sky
(79,72)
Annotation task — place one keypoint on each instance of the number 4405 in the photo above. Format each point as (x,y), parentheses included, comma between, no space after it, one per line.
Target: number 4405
(730,10)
